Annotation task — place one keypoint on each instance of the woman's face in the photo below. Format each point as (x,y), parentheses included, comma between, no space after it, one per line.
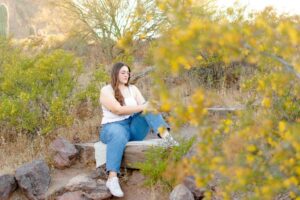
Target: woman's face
(124,75)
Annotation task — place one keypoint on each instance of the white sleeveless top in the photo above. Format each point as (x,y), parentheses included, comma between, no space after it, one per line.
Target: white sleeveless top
(109,117)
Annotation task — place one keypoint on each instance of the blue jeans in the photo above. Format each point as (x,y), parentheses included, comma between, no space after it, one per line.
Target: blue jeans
(117,134)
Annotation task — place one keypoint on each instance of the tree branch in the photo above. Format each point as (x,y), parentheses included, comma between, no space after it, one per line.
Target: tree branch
(142,74)
(287,66)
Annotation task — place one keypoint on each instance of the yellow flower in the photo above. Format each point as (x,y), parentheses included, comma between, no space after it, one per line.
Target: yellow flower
(228,122)
(291,161)
(290,181)
(294,36)
(293,196)
(194,122)
(251,148)
(297,170)
(226,130)
(271,141)
(265,189)
(166,106)
(174,66)
(184,62)
(266,102)
(199,182)
(261,85)
(217,160)
(250,159)
(200,58)
(190,109)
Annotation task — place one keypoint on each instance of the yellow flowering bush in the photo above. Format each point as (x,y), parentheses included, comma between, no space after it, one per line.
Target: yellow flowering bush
(256,153)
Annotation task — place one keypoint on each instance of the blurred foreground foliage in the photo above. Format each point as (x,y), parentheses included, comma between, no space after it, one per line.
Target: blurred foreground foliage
(256,153)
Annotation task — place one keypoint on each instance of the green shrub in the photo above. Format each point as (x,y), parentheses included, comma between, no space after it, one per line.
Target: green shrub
(92,90)
(159,158)
(36,94)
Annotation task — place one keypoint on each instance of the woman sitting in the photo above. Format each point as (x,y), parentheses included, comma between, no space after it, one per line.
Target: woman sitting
(123,120)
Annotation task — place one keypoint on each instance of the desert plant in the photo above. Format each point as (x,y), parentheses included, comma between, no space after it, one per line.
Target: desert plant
(160,158)
(37,93)
(256,154)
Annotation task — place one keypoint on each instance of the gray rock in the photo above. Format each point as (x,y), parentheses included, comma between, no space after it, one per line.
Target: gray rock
(283,196)
(189,182)
(181,192)
(98,195)
(90,188)
(99,172)
(81,182)
(8,185)
(73,196)
(86,154)
(34,179)
(64,153)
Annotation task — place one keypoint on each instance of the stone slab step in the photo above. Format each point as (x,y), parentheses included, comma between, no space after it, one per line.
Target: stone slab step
(134,152)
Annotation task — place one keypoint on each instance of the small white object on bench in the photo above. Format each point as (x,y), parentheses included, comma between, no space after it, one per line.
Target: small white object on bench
(100,153)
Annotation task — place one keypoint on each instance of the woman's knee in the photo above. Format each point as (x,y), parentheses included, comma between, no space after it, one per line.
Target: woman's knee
(119,137)
(116,133)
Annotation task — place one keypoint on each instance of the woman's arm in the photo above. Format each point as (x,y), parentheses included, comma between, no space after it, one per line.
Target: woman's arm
(108,100)
(138,96)
(141,100)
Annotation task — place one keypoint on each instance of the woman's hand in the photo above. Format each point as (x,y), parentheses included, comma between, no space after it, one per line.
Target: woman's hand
(148,107)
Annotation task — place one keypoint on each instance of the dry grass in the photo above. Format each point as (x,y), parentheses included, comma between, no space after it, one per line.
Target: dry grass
(22,148)
(226,97)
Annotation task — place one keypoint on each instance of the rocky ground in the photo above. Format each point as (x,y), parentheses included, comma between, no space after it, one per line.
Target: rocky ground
(73,177)
(132,184)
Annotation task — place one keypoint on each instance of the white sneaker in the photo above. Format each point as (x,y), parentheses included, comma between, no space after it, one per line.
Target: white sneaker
(114,187)
(170,140)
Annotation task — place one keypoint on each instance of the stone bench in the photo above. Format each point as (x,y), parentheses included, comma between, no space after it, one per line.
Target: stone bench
(134,152)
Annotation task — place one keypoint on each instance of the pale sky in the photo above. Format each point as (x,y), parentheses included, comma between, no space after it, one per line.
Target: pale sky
(289,6)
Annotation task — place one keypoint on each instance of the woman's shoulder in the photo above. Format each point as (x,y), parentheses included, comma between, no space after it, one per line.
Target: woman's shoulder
(107,88)
(133,87)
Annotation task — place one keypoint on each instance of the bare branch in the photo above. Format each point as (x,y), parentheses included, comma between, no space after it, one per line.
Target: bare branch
(287,66)
(142,74)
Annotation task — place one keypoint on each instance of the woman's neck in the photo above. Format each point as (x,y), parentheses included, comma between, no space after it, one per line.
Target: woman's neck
(122,86)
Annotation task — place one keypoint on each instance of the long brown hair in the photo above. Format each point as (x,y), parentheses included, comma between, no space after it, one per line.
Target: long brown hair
(115,81)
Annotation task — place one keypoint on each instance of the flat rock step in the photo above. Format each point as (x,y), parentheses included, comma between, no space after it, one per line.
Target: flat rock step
(60,178)
(134,152)
(223,111)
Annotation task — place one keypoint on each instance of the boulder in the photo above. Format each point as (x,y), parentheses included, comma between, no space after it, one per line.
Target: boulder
(73,196)
(81,182)
(99,172)
(181,192)
(64,153)
(8,185)
(89,188)
(34,179)
(190,183)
